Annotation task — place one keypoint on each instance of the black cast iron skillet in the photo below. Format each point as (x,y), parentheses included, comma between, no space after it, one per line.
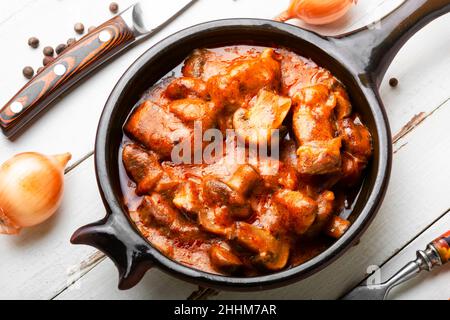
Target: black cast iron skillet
(359,59)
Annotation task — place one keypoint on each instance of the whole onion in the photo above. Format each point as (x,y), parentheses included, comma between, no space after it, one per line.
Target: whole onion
(316,12)
(31,190)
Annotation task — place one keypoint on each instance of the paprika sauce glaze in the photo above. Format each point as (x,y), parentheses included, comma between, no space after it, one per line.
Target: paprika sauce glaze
(265,213)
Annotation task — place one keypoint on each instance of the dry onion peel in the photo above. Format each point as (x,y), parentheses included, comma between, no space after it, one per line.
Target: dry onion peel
(316,12)
(31,190)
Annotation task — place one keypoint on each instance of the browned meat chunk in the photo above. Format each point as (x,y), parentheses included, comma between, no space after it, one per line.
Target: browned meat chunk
(319,151)
(169,181)
(156,210)
(326,207)
(204,63)
(261,201)
(313,114)
(343,106)
(301,208)
(325,211)
(157,93)
(217,193)
(352,169)
(187,197)
(190,110)
(143,168)
(156,128)
(223,258)
(244,79)
(356,138)
(299,73)
(270,215)
(272,253)
(244,179)
(216,221)
(277,174)
(187,87)
(337,227)
(257,123)
(319,157)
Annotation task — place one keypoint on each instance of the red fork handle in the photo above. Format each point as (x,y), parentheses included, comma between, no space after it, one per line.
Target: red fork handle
(442,246)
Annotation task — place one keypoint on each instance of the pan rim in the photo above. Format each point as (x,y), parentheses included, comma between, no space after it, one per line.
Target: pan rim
(283,277)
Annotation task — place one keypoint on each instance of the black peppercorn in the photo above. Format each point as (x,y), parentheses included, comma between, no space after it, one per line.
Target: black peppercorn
(71,41)
(60,48)
(48,51)
(393,82)
(39,70)
(33,42)
(79,28)
(114,7)
(28,72)
(47,60)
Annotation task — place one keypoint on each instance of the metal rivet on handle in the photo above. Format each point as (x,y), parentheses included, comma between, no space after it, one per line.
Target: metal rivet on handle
(16,107)
(59,69)
(104,36)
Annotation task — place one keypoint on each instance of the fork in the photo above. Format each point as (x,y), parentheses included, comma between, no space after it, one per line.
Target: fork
(437,253)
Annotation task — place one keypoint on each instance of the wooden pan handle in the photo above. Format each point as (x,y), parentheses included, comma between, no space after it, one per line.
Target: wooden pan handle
(71,66)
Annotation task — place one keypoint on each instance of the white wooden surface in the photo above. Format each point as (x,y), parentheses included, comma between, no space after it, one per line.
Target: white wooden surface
(41,264)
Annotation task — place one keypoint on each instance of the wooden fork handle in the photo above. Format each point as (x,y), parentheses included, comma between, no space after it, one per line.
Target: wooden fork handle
(72,65)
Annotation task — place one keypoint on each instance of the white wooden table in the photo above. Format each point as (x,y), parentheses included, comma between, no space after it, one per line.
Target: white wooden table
(41,263)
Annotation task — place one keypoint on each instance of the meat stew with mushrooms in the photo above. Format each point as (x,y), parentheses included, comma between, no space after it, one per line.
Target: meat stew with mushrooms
(244,215)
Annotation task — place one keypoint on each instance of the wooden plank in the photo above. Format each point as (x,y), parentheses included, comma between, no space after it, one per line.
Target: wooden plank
(428,285)
(74,118)
(45,273)
(155,286)
(41,259)
(391,231)
(83,106)
(417,196)
(44,263)
(422,73)
(8,9)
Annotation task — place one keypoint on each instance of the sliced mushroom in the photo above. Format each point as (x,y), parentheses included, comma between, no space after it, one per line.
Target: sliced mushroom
(143,167)
(223,258)
(204,64)
(193,67)
(218,192)
(258,123)
(272,253)
(302,209)
(275,261)
(244,179)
